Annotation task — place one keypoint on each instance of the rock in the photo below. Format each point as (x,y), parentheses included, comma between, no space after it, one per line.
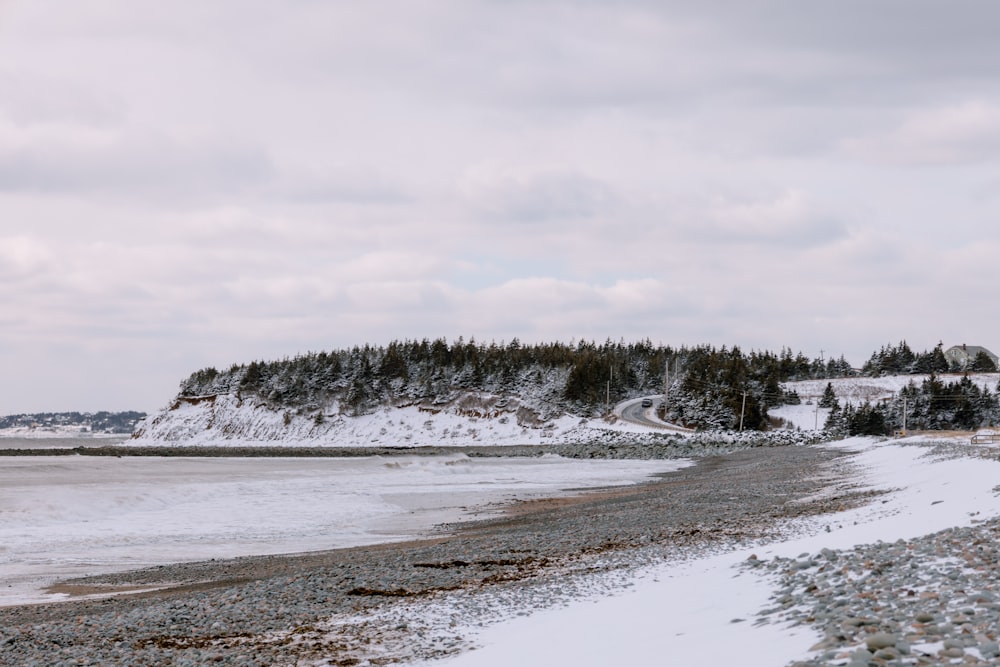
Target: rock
(887,653)
(860,658)
(880,640)
(989,649)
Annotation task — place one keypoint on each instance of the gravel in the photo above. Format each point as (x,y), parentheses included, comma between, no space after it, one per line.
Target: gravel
(609,445)
(933,600)
(924,601)
(380,604)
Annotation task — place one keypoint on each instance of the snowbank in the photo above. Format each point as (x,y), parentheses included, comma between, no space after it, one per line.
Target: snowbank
(702,612)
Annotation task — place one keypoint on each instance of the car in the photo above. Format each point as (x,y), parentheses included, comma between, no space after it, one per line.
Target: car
(647,402)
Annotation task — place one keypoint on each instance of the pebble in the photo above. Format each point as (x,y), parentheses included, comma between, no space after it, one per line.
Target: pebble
(863,606)
(916,602)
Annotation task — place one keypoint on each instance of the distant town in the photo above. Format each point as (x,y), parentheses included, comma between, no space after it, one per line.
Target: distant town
(110,423)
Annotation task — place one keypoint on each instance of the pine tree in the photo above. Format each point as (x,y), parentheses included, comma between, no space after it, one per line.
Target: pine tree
(835,421)
(983,363)
(829,398)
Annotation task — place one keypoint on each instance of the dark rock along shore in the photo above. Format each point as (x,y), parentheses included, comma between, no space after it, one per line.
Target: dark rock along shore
(228,612)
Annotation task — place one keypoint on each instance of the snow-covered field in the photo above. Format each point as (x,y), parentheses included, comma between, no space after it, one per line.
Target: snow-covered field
(75,516)
(702,612)
(857,390)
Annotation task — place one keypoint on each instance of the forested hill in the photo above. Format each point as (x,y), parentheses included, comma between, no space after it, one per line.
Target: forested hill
(710,387)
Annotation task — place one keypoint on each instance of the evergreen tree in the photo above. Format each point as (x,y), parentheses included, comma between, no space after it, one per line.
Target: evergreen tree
(983,363)
(866,420)
(829,398)
(835,421)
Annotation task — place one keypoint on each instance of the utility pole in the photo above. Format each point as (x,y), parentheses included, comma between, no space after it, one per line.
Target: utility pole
(742,410)
(666,386)
(607,398)
(904,415)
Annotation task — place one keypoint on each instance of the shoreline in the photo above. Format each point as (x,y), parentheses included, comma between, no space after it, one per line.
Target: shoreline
(658,446)
(232,606)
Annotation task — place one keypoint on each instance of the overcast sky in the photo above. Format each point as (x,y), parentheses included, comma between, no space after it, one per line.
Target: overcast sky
(190,184)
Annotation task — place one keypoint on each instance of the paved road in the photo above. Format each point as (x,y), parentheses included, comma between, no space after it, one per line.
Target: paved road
(633,412)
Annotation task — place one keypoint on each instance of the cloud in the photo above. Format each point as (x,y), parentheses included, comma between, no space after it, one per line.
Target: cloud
(961,134)
(536,196)
(208,183)
(787,220)
(127,164)
(23,258)
(340,183)
(45,99)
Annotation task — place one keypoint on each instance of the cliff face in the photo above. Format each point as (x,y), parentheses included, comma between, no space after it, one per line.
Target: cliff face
(406,394)
(465,418)
(423,392)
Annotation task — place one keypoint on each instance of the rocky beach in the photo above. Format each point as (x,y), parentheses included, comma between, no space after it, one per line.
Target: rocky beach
(277,609)
(928,601)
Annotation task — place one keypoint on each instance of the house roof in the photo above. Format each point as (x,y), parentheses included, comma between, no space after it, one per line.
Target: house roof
(968,352)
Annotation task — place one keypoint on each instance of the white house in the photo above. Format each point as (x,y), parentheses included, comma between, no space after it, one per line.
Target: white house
(963,355)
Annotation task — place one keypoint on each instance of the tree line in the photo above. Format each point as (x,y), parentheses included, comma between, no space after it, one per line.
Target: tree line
(708,384)
(901,360)
(932,405)
(709,387)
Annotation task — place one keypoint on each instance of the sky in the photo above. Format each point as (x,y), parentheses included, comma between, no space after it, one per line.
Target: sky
(196,184)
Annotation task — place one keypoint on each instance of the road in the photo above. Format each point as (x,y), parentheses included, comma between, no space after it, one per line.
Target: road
(633,412)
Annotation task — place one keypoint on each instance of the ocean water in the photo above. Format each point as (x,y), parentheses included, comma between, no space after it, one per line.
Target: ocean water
(66,516)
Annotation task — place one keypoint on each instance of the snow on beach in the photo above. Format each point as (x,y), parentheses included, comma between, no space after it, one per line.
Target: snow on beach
(74,516)
(702,612)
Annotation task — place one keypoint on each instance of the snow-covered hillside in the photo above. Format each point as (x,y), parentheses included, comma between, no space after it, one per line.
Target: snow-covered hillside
(464,418)
(474,419)
(856,391)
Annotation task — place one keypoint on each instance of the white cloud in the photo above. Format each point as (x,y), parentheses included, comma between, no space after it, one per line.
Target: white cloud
(23,257)
(195,184)
(45,100)
(536,196)
(965,133)
(125,164)
(787,219)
